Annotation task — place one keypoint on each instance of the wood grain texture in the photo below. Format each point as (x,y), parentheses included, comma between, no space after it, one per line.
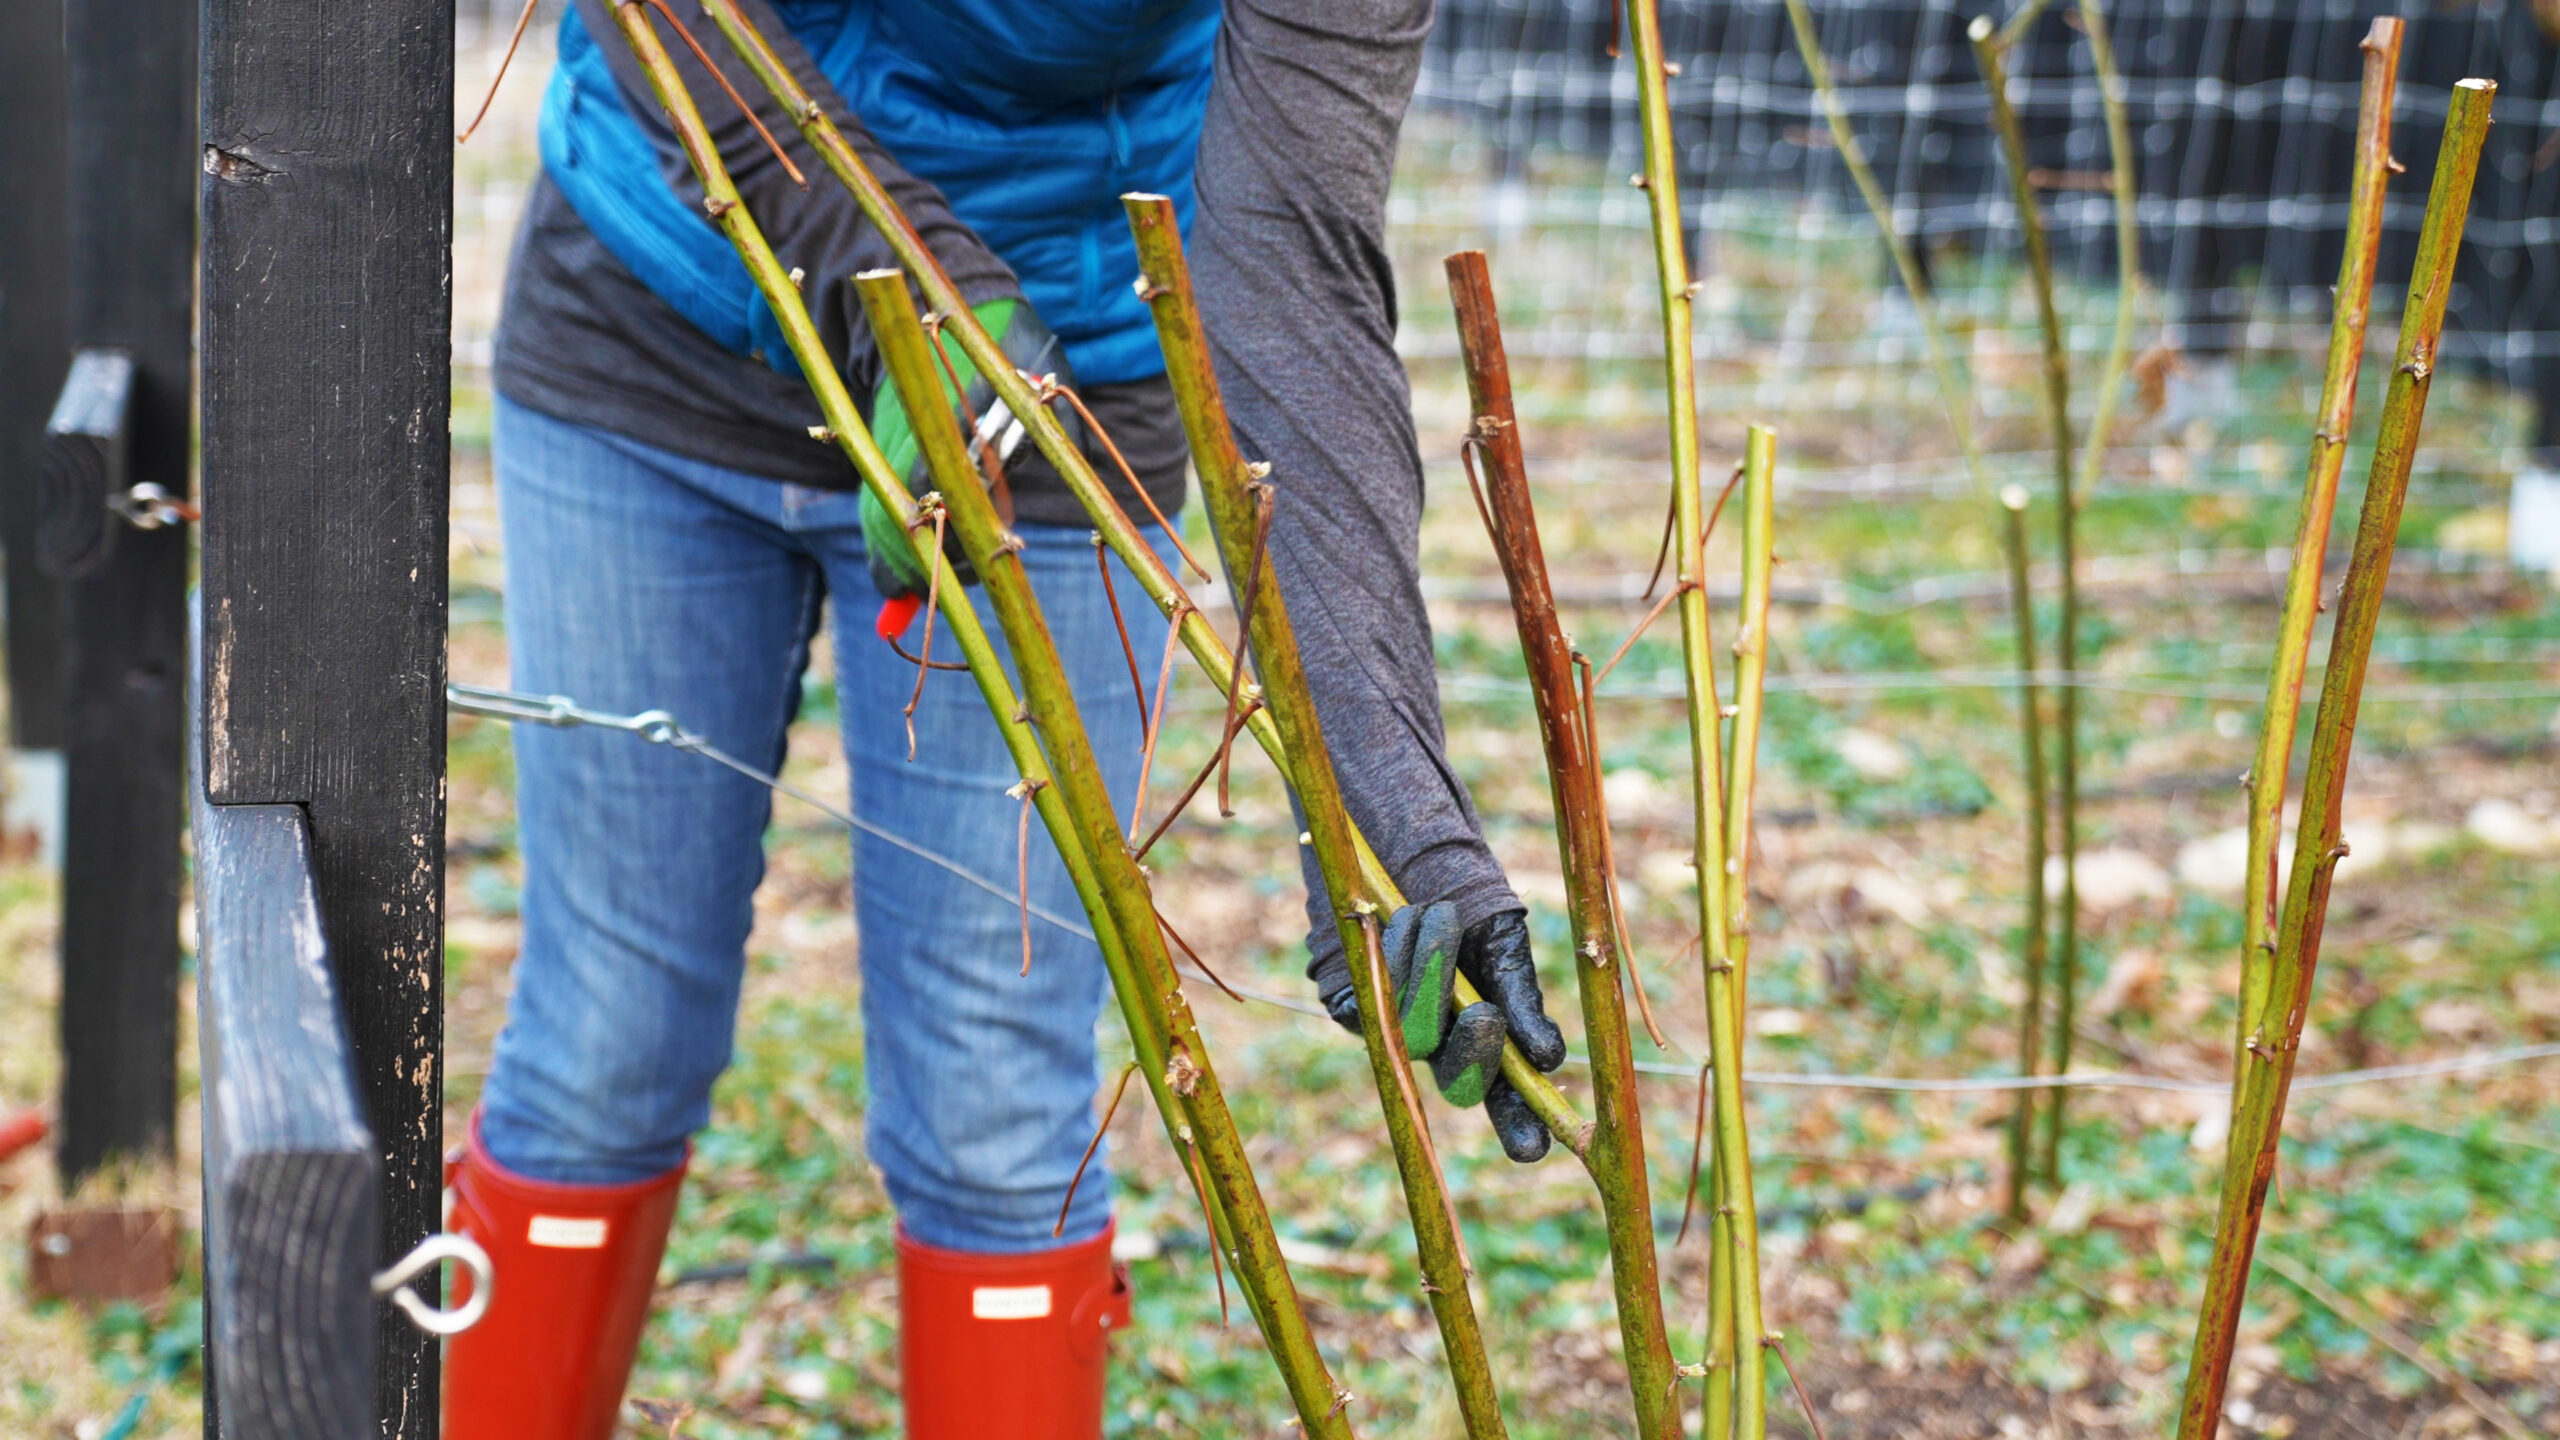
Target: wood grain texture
(87,458)
(292,1189)
(129,68)
(35,343)
(327,222)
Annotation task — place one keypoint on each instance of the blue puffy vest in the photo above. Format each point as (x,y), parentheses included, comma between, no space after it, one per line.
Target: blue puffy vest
(1033,119)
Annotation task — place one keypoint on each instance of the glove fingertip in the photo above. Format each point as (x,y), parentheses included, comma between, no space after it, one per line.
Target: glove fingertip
(1524,1136)
(1344,1007)
(1439,929)
(1540,1040)
(1470,1058)
(1395,945)
(1468,1087)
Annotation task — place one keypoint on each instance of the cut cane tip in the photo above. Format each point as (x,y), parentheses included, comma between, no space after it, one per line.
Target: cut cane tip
(896,615)
(2013,497)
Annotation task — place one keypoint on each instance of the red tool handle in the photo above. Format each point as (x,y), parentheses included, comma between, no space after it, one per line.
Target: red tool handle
(22,1130)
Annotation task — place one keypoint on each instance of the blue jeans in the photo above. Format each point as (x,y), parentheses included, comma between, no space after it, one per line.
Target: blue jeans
(640,580)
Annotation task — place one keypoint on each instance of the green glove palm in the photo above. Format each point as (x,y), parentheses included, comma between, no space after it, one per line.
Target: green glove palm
(895,569)
(1424,951)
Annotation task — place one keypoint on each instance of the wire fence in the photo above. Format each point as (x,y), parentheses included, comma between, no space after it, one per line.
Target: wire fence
(2243,115)
(2243,111)
(660,727)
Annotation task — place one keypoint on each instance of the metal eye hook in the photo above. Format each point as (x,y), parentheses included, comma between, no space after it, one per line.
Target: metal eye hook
(657,727)
(431,1252)
(150,507)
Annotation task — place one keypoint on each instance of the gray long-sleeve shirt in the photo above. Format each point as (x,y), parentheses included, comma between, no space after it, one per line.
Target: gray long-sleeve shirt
(1289,254)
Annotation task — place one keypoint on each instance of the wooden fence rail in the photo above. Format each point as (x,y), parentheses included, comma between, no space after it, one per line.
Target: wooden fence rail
(292,1184)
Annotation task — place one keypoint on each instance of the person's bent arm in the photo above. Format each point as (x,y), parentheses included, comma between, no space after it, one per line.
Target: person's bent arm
(1297,294)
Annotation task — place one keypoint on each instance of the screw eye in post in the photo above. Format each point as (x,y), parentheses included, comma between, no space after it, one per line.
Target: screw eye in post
(431,1252)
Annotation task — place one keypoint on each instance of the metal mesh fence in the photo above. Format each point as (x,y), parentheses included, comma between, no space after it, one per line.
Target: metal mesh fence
(2243,116)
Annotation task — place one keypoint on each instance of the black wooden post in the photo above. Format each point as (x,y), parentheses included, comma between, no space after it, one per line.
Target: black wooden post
(34,346)
(129,69)
(328,210)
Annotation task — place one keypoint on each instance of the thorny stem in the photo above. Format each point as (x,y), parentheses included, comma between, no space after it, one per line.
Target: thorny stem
(1609,859)
(1194,957)
(1154,733)
(1027,403)
(1665,602)
(1191,1155)
(1374,968)
(2022,1169)
(1906,262)
(1236,496)
(2121,178)
(1778,1345)
(1152,1004)
(2257,1126)
(2269,772)
(1068,1203)
(1723,495)
(1572,747)
(1022,866)
(1661,557)
(1207,769)
(686,35)
(1244,637)
(987,461)
(515,38)
(1172,532)
(1739,1390)
(1092,827)
(1727,1326)
(932,508)
(1959,404)
(1722,1387)
(920,662)
(1750,672)
(1600,797)
(1638,633)
(2023,21)
(2093,454)
(1697,1155)
(1128,651)
(2057,407)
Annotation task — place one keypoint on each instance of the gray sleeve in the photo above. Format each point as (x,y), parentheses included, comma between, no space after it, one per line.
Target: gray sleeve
(1290,258)
(818,230)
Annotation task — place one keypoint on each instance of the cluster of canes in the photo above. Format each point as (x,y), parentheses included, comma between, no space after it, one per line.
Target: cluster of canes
(1263,679)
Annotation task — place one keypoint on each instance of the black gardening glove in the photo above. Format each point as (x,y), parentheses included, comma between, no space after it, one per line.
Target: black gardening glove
(1424,954)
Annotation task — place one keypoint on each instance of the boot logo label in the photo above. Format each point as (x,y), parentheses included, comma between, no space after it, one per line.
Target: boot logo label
(566,1232)
(1009,1302)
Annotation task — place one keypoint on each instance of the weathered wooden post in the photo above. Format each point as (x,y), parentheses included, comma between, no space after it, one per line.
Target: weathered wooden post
(34,345)
(120,423)
(328,205)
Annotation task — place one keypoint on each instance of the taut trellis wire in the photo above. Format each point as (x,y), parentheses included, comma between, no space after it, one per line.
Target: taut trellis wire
(661,728)
(2243,115)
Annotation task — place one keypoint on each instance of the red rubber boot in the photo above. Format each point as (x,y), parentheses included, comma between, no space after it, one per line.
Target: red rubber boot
(1007,1347)
(575,1266)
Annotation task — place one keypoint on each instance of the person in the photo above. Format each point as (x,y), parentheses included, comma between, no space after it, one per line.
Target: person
(671,531)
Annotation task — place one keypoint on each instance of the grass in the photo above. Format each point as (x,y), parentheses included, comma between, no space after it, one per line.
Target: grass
(1882,936)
